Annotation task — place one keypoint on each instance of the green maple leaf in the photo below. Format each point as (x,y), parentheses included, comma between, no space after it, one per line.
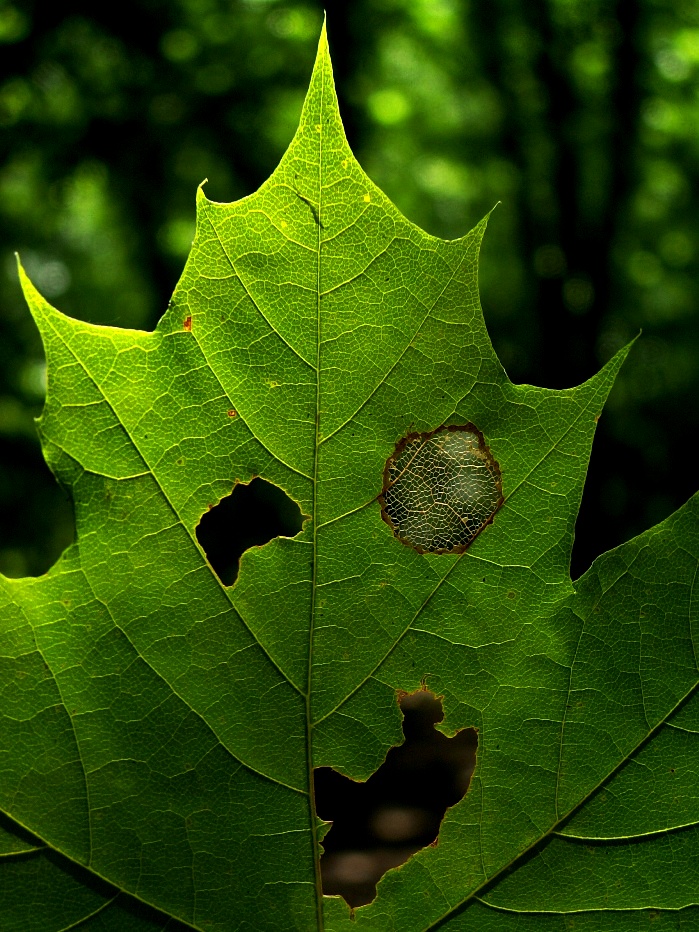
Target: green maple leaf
(158,731)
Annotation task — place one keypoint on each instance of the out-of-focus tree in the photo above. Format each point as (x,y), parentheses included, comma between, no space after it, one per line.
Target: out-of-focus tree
(579,116)
(110,116)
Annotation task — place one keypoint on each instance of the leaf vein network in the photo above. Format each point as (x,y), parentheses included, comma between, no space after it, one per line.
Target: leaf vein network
(554,446)
(395,644)
(334,236)
(172,507)
(623,758)
(279,228)
(255,303)
(361,272)
(230,401)
(386,375)
(83,770)
(198,715)
(128,893)
(88,916)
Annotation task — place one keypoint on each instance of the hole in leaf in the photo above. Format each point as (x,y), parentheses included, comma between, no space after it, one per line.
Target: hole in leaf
(379,824)
(250,516)
(441,489)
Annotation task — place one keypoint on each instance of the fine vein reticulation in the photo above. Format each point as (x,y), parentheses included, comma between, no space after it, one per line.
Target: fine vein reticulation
(441,489)
(159,731)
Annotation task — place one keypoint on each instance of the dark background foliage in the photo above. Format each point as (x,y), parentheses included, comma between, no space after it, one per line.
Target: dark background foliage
(579,116)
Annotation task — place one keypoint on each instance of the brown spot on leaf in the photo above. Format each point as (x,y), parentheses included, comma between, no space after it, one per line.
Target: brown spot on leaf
(232,412)
(187,322)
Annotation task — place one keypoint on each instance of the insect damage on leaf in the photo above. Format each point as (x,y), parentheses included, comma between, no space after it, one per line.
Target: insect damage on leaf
(381,822)
(252,515)
(441,489)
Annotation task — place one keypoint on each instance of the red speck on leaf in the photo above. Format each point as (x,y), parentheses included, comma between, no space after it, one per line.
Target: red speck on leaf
(187,323)
(232,413)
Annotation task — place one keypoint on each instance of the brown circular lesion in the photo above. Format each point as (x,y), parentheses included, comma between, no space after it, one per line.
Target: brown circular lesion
(441,488)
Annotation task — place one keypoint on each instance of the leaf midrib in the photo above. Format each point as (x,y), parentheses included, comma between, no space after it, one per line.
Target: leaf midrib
(313,816)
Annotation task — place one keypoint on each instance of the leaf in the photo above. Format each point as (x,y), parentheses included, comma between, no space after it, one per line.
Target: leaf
(159,730)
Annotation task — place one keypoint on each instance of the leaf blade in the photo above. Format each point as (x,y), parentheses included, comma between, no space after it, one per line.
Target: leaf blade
(313,327)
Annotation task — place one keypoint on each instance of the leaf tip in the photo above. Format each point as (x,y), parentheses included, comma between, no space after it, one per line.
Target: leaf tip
(617,360)
(201,197)
(322,83)
(34,299)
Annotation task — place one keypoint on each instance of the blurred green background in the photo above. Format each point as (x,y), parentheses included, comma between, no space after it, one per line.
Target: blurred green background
(580,116)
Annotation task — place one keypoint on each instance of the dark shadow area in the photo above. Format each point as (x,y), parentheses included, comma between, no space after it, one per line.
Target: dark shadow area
(250,516)
(379,824)
(36,516)
(23,837)
(613,509)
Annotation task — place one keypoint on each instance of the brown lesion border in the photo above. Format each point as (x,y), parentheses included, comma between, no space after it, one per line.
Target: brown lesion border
(410,437)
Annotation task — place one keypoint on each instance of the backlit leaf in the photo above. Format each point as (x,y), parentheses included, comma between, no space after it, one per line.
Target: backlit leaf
(159,730)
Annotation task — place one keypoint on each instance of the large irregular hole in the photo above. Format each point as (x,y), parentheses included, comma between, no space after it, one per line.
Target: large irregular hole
(379,824)
(441,489)
(250,516)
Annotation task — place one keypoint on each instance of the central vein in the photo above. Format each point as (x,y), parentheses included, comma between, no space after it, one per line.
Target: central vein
(309,727)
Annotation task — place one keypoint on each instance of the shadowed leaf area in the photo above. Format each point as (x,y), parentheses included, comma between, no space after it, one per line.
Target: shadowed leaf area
(377,825)
(159,729)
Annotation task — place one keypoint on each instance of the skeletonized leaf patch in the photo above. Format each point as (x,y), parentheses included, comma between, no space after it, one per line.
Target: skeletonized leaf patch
(441,489)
